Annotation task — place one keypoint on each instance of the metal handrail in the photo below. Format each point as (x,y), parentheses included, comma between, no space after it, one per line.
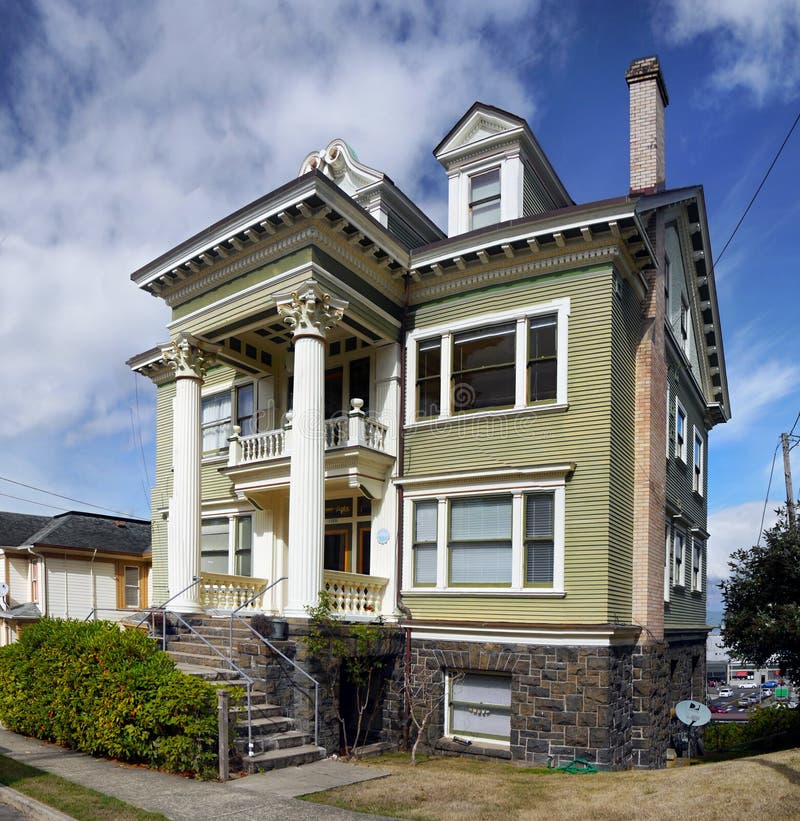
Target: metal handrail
(275,650)
(237,670)
(249,601)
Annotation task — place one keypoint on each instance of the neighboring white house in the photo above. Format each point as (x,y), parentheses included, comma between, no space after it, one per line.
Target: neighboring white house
(68,565)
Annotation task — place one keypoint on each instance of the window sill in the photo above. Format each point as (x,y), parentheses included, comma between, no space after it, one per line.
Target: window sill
(528,592)
(462,416)
(467,745)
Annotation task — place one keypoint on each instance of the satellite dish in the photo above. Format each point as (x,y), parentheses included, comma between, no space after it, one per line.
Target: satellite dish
(692,713)
(3,588)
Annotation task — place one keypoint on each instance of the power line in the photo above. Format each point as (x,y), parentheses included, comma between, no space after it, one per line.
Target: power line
(796,420)
(68,498)
(766,499)
(758,191)
(41,504)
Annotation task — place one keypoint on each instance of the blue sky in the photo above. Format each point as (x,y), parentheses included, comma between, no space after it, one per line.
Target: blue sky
(126,127)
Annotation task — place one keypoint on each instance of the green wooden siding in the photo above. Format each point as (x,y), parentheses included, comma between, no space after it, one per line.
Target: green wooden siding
(686,608)
(582,434)
(626,332)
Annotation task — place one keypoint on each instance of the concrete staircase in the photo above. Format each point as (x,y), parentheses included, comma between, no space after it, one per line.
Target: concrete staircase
(276,742)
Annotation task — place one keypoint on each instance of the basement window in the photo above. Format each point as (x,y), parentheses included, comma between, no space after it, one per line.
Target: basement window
(479,707)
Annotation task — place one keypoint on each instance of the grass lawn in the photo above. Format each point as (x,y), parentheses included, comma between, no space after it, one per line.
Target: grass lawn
(79,802)
(451,789)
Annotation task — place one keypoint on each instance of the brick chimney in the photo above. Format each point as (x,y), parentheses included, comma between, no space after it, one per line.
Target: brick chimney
(648,99)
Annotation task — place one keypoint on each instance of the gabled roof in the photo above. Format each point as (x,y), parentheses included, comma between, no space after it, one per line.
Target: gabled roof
(88,531)
(17,528)
(485,128)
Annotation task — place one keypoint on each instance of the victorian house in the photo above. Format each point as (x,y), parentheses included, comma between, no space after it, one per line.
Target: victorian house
(495,437)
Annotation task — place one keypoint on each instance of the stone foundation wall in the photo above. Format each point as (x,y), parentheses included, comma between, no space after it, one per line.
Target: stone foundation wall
(650,705)
(566,702)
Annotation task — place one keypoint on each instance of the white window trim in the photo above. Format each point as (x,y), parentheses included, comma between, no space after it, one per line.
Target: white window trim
(233,523)
(679,573)
(667,561)
(697,544)
(698,480)
(669,419)
(517,491)
(559,307)
(680,450)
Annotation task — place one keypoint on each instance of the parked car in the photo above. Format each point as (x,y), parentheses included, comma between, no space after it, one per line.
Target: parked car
(743,702)
(720,708)
(754,699)
(725,692)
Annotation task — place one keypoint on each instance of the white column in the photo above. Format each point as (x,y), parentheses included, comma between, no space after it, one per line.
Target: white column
(183,544)
(310,313)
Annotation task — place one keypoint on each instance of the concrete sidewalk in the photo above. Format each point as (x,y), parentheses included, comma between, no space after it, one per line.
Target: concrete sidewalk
(265,796)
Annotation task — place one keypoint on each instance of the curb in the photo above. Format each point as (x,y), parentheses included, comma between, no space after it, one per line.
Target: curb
(39,811)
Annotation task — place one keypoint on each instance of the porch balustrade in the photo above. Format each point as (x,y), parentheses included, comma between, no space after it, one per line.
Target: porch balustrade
(218,591)
(353,594)
(353,430)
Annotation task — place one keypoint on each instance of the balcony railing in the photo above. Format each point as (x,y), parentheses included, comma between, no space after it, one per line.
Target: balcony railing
(353,430)
(353,594)
(221,592)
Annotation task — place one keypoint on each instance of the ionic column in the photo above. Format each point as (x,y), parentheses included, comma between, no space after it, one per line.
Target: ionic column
(310,313)
(183,539)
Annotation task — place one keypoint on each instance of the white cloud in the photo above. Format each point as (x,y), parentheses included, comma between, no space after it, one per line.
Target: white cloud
(133,126)
(753,43)
(733,528)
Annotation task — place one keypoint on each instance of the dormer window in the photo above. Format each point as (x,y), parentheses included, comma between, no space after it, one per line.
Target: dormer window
(484,199)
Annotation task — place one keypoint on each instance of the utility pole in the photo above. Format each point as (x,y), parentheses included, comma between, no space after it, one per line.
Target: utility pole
(787,472)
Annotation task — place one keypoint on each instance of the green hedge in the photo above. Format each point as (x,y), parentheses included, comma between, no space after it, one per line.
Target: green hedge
(106,692)
(768,728)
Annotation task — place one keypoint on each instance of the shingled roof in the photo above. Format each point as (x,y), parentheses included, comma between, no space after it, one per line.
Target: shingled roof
(75,529)
(17,528)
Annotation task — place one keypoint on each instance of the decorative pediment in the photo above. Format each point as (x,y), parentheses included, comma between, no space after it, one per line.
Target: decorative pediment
(340,163)
(480,123)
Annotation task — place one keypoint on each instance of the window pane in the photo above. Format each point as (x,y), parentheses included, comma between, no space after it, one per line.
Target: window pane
(214,546)
(484,518)
(485,185)
(216,408)
(425,564)
(359,381)
(334,385)
(539,562)
(481,706)
(487,213)
(245,408)
(429,368)
(539,515)
(425,521)
(484,368)
(542,337)
(131,587)
(482,348)
(244,540)
(480,563)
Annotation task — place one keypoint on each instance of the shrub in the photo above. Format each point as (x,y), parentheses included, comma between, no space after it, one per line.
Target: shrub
(93,688)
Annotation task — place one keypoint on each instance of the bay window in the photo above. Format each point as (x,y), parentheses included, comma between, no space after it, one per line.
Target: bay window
(507,361)
(697,472)
(486,538)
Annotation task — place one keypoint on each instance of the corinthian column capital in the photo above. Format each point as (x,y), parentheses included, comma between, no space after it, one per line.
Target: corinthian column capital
(309,311)
(187,358)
